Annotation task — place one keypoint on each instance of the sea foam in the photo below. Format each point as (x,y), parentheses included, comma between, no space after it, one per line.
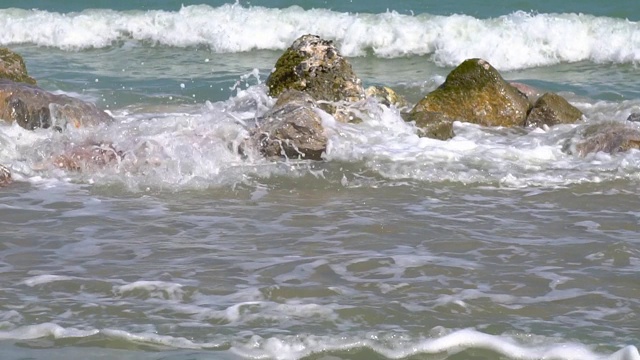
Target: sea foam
(513,41)
(301,346)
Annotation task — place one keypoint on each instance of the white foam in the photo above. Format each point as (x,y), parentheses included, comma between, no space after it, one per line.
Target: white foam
(46,278)
(392,346)
(297,347)
(198,147)
(514,41)
(44,330)
(160,289)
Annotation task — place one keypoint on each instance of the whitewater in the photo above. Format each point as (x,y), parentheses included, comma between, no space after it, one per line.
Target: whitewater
(497,243)
(515,41)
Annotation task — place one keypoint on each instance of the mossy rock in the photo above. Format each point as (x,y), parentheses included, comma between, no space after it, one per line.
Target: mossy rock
(12,67)
(284,76)
(432,124)
(552,109)
(315,66)
(475,92)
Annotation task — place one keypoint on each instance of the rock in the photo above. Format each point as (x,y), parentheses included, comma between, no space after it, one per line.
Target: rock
(473,92)
(293,128)
(12,67)
(532,93)
(32,107)
(89,155)
(635,117)
(610,137)
(5,176)
(435,125)
(552,109)
(386,96)
(315,66)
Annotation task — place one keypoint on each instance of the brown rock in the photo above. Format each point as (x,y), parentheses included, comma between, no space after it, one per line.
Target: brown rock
(32,107)
(292,129)
(386,96)
(532,93)
(433,125)
(89,155)
(474,92)
(552,109)
(611,137)
(5,176)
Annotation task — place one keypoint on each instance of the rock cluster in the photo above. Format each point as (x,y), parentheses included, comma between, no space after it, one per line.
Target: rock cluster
(473,92)
(31,107)
(311,79)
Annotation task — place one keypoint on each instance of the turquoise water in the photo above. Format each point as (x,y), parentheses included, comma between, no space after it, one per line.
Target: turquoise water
(494,244)
(628,10)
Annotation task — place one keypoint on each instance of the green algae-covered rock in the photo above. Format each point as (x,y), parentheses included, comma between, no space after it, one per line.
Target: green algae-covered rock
(610,136)
(12,67)
(292,129)
(473,92)
(315,66)
(552,109)
(433,125)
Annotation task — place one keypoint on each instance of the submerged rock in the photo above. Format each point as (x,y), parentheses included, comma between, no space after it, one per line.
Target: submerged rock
(532,93)
(89,155)
(12,67)
(610,137)
(32,107)
(435,125)
(386,96)
(635,117)
(315,66)
(552,109)
(5,176)
(473,92)
(293,128)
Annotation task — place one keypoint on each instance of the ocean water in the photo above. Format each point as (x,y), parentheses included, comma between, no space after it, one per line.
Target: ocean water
(495,244)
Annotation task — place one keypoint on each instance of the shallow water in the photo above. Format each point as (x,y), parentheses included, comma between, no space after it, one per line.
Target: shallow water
(495,244)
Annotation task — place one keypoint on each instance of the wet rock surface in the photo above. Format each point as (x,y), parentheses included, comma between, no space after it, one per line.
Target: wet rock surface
(473,92)
(611,137)
(292,128)
(552,109)
(314,65)
(32,107)
(5,176)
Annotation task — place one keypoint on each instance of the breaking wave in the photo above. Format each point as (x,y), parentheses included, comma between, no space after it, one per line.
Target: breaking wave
(515,41)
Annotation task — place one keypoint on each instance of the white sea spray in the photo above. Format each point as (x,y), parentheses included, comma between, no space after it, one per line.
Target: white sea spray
(514,41)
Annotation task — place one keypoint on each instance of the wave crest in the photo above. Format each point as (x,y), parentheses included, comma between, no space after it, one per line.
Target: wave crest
(514,41)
